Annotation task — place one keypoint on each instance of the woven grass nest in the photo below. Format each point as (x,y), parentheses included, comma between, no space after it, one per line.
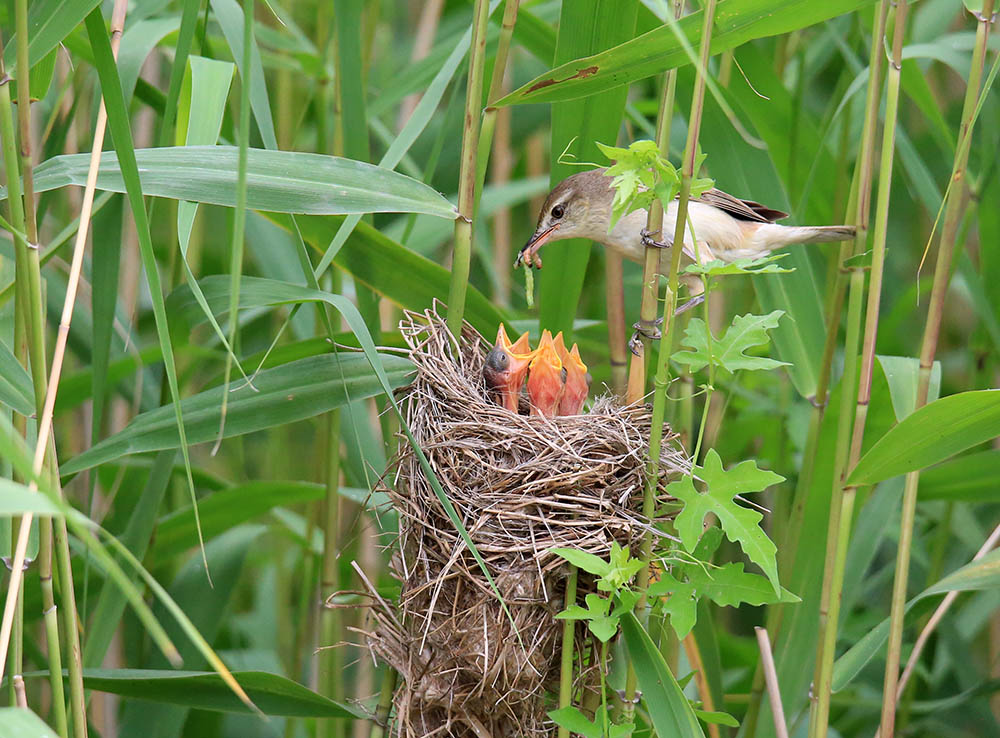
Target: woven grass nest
(522,486)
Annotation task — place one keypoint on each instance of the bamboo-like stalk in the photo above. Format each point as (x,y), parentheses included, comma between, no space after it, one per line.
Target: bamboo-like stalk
(489,119)
(51,625)
(670,305)
(771,676)
(566,663)
(48,391)
(381,722)
(24,120)
(839,526)
(654,224)
(331,630)
(497,121)
(928,349)
(462,259)
(614,290)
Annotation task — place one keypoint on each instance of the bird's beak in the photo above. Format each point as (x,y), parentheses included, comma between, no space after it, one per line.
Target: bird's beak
(528,252)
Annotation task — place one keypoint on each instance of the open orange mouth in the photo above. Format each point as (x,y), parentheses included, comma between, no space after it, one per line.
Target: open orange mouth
(529,252)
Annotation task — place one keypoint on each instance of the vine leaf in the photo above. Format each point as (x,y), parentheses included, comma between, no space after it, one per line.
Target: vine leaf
(727,585)
(729,352)
(740,524)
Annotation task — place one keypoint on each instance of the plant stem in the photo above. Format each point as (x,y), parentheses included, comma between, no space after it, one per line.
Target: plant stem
(381,723)
(495,93)
(566,663)
(928,348)
(841,507)
(670,304)
(239,221)
(614,273)
(654,224)
(330,632)
(462,258)
(51,625)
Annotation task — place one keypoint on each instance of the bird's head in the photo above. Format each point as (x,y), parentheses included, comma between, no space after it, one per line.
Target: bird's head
(578,207)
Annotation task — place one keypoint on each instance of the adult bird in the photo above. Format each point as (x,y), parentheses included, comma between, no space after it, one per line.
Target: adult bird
(726,227)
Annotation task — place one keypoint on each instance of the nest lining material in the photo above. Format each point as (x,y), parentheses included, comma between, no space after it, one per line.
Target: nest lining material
(522,486)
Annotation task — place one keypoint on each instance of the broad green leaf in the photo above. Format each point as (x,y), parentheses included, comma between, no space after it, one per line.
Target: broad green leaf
(976,575)
(141,524)
(573,720)
(137,42)
(681,604)
(740,524)
(205,690)
(17,499)
(230,17)
(753,173)
(405,278)
(669,710)
(203,95)
(49,23)
(587,561)
(205,606)
(903,375)
(20,722)
(278,181)
(124,156)
(228,508)
(295,391)
(969,478)
(16,391)
(729,351)
(729,586)
(577,126)
(717,268)
(736,22)
(931,434)
(717,718)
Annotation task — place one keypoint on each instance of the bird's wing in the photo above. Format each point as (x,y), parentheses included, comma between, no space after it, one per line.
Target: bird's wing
(741,209)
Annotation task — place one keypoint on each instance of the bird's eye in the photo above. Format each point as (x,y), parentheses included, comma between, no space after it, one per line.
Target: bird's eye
(557,211)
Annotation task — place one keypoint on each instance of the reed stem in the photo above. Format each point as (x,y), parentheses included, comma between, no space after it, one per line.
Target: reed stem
(380,725)
(841,506)
(654,224)
(670,305)
(566,654)
(942,274)
(462,259)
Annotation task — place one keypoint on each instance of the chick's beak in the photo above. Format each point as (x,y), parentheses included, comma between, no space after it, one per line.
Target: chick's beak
(505,367)
(529,252)
(577,384)
(546,379)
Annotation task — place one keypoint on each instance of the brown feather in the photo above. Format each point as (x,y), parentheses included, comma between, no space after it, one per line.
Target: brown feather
(741,209)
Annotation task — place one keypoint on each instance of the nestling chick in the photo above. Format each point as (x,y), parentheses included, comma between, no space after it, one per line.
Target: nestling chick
(505,367)
(546,378)
(577,378)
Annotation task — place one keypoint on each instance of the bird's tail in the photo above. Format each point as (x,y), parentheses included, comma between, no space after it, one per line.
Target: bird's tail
(816,234)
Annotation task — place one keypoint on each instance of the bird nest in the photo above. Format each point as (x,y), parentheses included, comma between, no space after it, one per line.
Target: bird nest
(522,486)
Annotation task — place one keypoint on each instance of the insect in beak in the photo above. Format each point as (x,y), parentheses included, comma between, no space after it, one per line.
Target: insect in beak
(529,252)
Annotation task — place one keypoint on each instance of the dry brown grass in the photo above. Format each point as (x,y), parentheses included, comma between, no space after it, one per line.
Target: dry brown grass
(522,486)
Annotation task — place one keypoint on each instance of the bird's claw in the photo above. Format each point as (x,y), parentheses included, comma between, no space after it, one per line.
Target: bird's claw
(650,331)
(693,302)
(649,242)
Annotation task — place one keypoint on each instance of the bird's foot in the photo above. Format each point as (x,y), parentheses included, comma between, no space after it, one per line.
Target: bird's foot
(692,303)
(651,243)
(647,329)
